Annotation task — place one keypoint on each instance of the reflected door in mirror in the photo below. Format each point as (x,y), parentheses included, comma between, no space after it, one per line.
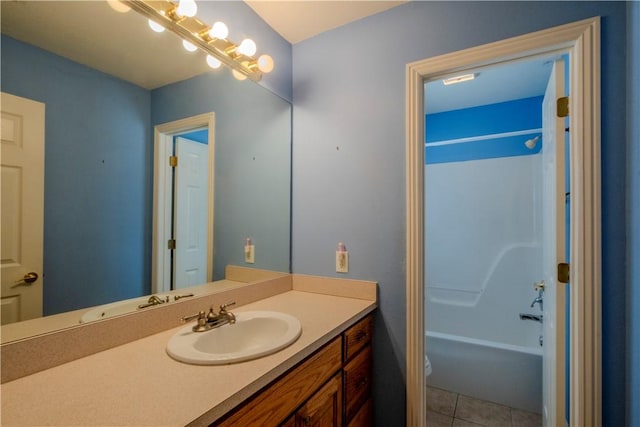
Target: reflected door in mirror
(190,213)
(22,207)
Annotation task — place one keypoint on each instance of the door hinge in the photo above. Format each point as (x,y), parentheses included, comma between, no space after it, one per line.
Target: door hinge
(562,106)
(563,272)
(173,161)
(171,244)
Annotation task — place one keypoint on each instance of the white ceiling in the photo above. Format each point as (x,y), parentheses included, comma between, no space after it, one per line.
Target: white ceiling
(132,52)
(302,19)
(500,83)
(150,60)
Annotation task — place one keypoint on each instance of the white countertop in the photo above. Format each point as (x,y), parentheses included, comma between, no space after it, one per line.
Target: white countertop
(139,384)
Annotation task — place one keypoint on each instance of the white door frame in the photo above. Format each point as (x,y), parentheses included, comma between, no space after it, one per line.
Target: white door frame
(582,41)
(163,135)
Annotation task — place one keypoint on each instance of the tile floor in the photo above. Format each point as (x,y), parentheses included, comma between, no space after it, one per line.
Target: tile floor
(449,409)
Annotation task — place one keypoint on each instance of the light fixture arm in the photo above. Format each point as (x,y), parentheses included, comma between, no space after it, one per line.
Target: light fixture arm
(196,32)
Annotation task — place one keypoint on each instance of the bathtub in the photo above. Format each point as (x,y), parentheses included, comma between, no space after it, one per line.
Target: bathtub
(506,374)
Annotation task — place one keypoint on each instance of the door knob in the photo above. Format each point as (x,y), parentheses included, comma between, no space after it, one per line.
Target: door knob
(27,279)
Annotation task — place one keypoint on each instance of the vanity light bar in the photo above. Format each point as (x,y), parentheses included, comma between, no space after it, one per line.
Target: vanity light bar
(196,32)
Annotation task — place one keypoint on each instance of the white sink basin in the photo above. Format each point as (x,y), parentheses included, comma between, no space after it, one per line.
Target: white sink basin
(255,334)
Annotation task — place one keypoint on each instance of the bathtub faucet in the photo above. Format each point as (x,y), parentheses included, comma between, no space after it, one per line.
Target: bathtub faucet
(534,317)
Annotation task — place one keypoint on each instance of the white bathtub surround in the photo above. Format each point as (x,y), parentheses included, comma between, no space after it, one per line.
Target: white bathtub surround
(483,229)
(505,374)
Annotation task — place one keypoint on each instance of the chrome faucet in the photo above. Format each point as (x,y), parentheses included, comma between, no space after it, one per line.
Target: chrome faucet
(212,320)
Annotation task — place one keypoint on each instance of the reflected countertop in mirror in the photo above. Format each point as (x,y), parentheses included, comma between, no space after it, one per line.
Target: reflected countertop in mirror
(99,149)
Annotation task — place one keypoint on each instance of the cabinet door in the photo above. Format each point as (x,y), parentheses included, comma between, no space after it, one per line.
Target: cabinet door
(364,417)
(323,409)
(357,382)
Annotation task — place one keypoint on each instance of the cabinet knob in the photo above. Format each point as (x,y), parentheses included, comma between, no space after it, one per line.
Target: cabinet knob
(361,335)
(362,383)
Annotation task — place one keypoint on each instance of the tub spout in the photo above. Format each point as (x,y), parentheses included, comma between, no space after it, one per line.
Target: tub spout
(534,317)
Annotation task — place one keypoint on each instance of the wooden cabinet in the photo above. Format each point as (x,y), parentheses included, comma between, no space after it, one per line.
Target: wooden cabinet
(357,376)
(330,388)
(357,382)
(357,336)
(323,409)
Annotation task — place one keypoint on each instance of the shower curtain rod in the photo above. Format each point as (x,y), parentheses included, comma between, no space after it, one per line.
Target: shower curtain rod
(483,137)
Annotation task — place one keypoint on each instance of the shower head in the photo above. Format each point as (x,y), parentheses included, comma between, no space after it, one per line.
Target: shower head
(531,143)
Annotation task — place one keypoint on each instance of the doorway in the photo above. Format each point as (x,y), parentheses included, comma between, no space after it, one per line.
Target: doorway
(581,41)
(183,203)
(490,243)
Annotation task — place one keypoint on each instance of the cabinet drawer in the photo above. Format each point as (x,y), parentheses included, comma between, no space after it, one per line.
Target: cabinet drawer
(357,337)
(357,382)
(364,416)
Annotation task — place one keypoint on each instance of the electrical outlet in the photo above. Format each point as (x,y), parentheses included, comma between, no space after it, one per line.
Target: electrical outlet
(249,254)
(342,262)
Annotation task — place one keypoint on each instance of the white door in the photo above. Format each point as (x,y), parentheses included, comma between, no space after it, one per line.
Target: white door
(190,213)
(553,250)
(22,207)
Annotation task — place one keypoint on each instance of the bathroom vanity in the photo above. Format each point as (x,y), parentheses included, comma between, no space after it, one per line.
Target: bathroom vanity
(325,374)
(331,387)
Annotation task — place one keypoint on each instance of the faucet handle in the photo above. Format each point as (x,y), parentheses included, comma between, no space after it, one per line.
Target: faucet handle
(538,286)
(177,297)
(223,307)
(199,316)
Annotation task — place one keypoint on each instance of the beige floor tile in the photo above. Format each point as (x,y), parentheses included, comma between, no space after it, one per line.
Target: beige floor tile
(435,419)
(521,418)
(457,422)
(441,401)
(482,412)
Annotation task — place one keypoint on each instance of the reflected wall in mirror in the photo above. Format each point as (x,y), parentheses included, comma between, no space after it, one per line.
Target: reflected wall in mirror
(99,127)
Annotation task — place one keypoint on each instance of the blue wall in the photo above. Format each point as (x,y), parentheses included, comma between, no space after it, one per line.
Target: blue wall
(99,172)
(494,119)
(98,177)
(252,164)
(349,160)
(633,211)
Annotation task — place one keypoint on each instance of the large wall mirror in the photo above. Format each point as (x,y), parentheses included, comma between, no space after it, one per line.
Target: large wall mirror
(107,81)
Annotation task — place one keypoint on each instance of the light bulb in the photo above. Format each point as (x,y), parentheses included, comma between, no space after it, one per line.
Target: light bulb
(118,6)
(189,46)
(213,62)
(247,47)
(219,31)
(155,26)
(238,75)
(265,63)
(187,8)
